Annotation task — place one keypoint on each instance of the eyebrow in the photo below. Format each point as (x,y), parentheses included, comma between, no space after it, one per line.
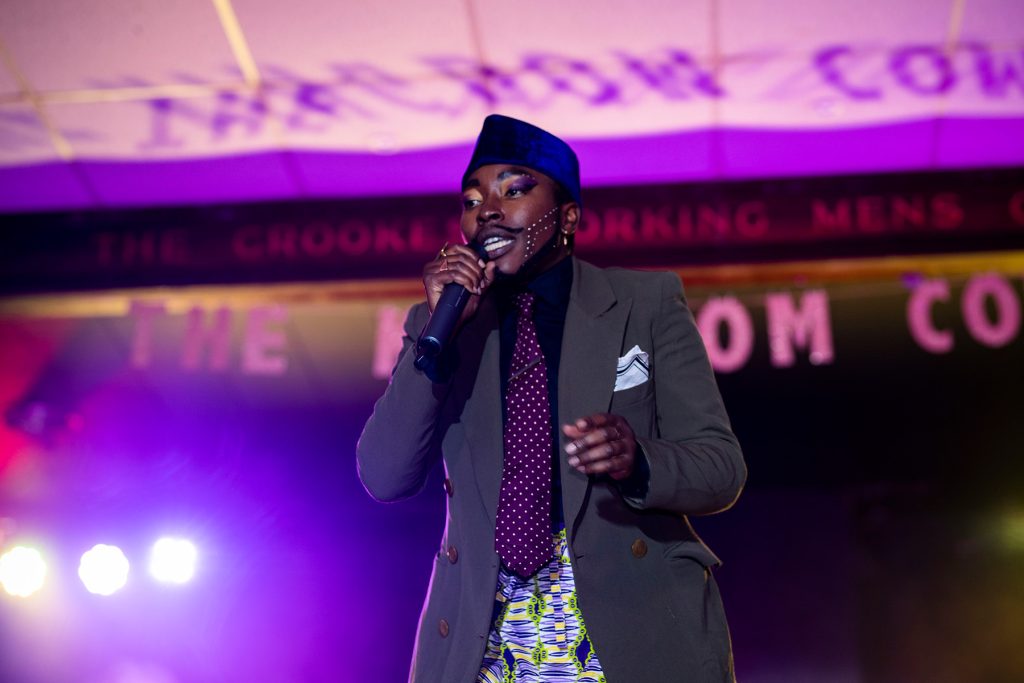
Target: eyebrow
(507,173)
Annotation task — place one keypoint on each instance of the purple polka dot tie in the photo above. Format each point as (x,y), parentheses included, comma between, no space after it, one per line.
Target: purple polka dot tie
(523,530)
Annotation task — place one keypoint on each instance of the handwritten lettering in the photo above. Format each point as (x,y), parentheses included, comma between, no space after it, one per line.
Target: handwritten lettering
(926,71)
(540,81)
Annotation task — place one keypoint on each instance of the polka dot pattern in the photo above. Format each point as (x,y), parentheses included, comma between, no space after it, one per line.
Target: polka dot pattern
(523,527)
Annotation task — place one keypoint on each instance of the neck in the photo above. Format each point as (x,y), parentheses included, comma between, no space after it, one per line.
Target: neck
(551,253)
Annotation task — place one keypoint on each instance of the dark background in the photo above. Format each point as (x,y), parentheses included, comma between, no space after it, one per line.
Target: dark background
(880,536)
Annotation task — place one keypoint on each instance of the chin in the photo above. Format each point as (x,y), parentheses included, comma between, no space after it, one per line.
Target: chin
(509,270)
(509,264)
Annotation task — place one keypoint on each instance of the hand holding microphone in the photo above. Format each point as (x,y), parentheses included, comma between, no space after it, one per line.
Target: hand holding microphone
(454,283)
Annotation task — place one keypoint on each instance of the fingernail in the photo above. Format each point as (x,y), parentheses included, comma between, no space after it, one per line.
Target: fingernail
(571,448)
(574,461)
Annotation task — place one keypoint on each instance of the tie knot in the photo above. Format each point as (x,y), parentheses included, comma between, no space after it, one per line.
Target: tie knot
(525,302)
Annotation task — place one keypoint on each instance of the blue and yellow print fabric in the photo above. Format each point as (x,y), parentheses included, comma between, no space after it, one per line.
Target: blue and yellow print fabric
(538,634)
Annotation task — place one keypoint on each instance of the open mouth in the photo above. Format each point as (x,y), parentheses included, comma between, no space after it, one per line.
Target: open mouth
(496,245)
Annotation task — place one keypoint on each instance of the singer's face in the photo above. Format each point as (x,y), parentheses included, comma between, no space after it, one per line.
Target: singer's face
(514,213)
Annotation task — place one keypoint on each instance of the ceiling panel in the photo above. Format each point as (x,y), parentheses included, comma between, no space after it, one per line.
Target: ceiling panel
(69,45)
(997,22)
(8,83)
(595,31)
(601,69)
(397,39)
(801,27)
(23,137)
(366,113)
(166,129)
(384,98)
(580,121)
(842,63)
(793,93)
(985,81)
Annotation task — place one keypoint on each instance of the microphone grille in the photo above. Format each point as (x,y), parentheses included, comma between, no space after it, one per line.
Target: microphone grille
(480,251)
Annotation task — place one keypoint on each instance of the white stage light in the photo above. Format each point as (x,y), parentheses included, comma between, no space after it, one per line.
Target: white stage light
(173,560)
(103,569)
(22,571)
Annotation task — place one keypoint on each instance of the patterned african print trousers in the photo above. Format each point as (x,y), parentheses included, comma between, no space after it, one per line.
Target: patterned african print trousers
(538,634)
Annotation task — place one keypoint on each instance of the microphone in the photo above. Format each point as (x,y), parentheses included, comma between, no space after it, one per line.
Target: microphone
(439,329)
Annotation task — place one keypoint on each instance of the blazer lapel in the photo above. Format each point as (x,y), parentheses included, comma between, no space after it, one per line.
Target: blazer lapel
(594,328)
(482,414)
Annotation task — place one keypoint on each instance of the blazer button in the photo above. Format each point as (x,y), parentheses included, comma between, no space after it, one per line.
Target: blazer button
(639,548)
(453,554)
(448,488)
(442,628)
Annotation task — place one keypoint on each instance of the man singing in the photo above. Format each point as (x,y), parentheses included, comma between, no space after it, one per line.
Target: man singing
(579,424)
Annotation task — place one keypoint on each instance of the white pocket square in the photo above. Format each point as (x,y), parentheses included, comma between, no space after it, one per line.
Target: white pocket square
(632,370)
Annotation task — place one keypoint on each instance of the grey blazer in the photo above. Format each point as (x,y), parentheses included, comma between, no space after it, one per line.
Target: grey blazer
(643,577)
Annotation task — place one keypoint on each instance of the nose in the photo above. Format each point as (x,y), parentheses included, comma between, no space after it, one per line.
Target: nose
(489,212)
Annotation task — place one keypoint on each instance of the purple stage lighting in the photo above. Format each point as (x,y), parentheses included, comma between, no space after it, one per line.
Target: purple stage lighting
(173,560)
(103,569)
(22,571)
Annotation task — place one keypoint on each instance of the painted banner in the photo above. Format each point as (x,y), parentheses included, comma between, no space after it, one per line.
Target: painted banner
(148,102)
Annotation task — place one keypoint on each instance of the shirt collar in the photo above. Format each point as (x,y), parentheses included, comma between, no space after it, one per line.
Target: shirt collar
(553,284)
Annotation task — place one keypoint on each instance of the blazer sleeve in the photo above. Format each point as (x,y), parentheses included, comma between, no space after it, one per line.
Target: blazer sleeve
(696,465)
(399,445)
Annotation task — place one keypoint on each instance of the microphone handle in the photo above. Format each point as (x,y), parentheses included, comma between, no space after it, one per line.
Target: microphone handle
(441,326)
(439,329)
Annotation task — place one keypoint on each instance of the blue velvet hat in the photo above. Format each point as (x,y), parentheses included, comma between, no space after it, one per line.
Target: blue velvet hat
(504,140)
